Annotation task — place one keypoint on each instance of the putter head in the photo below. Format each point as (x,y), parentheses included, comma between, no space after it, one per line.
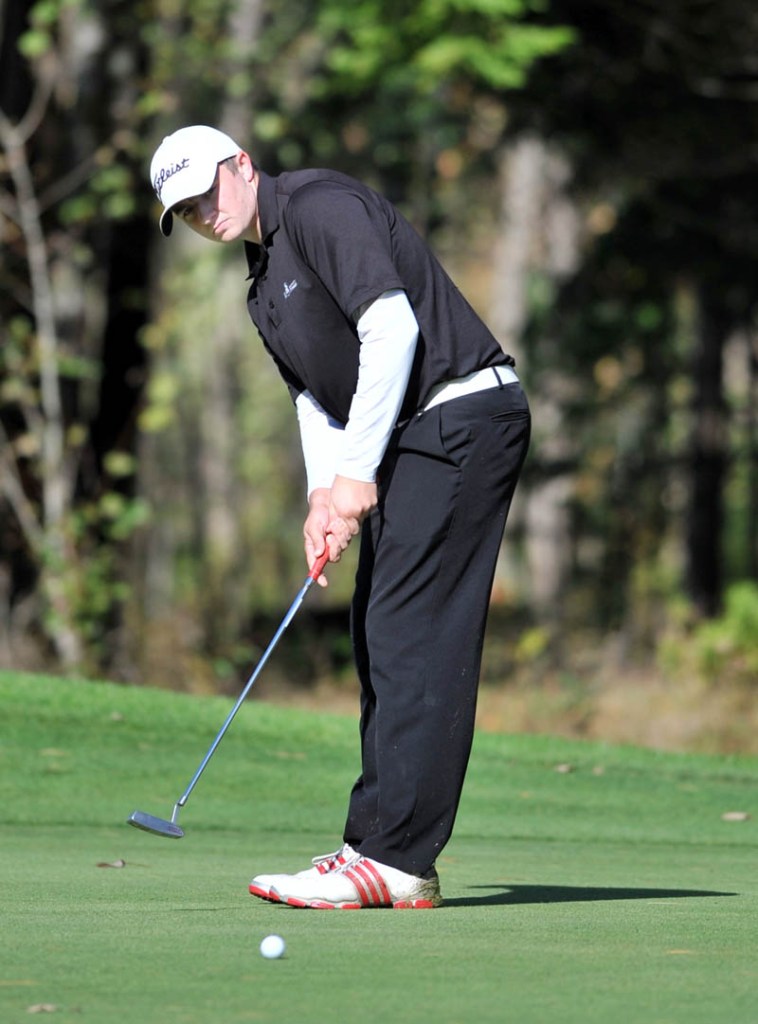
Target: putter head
(158,826)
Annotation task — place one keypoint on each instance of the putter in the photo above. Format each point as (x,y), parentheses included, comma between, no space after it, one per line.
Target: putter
(171,829)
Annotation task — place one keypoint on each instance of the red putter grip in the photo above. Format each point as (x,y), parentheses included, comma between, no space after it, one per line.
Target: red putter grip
(318,565)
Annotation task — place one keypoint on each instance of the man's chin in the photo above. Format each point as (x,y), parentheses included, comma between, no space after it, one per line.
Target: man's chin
(226,232)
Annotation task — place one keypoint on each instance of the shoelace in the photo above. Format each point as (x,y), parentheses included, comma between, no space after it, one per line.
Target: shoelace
(351,861)
(331,861)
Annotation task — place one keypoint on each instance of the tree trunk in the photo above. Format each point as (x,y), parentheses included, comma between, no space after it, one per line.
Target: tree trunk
(538,233)
(751,538)
(708,459)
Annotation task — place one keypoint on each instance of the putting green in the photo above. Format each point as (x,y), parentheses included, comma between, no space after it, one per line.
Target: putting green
(584,883)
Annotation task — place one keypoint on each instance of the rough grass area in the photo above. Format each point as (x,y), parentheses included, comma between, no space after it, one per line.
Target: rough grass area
(631,707)
(586,687)
(585,882)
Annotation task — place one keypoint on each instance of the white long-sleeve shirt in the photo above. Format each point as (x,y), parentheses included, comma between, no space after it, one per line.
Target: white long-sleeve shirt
(388,332)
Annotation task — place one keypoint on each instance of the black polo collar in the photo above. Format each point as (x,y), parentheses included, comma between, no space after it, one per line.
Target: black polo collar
(268,214)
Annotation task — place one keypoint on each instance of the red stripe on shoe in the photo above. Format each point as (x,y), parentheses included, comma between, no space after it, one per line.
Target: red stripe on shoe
(371,887)
(384,894)
(364,892)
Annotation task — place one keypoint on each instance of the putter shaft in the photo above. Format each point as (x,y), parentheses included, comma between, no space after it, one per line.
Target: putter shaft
(158,825)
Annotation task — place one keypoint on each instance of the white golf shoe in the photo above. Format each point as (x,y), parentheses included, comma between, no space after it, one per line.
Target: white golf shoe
(359,883)
(262,885)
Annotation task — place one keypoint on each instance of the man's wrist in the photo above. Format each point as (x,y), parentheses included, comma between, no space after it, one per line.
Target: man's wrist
(319,497)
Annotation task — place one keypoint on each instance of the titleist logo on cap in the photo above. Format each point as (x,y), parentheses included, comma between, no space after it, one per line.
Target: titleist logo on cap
(168,172)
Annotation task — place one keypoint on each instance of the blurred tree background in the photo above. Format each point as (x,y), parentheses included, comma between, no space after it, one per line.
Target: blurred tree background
(586,171)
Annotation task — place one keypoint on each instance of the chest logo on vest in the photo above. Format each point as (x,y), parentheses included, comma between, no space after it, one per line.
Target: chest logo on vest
(289,288)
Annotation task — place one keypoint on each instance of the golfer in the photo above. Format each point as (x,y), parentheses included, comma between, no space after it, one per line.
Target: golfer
(414,428)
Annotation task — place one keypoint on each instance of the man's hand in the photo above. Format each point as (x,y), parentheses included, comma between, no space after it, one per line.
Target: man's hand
(350,503)
(314,529)
(335,516)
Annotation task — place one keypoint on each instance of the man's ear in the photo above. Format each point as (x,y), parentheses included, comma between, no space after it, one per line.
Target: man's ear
(245,165)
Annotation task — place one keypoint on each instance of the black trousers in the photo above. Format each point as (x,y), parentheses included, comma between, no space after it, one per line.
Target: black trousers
(423,584)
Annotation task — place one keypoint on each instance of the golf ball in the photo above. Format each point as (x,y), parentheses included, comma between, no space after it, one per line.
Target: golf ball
(273,947)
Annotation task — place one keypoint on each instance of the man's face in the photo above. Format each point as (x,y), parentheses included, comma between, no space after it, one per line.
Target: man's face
(228,211)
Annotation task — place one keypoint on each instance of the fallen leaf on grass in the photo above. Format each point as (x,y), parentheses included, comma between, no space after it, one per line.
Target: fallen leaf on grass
(112,863)
(735,816)
(564,769)
(42,1008)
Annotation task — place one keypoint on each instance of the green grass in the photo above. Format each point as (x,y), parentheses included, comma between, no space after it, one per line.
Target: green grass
(613,891)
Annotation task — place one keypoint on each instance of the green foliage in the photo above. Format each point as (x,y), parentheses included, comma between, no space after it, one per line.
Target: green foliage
(532,645)
(722,651)
(189,46)
(399,95)
(44,17)
(415,99)
(83,558)
(433,43)
(726,648)
(110,195)
(91,574)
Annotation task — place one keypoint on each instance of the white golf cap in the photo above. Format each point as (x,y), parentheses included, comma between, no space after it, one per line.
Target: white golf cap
(185,164)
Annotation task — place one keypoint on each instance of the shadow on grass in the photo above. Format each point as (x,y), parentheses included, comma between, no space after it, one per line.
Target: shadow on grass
(514,894)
